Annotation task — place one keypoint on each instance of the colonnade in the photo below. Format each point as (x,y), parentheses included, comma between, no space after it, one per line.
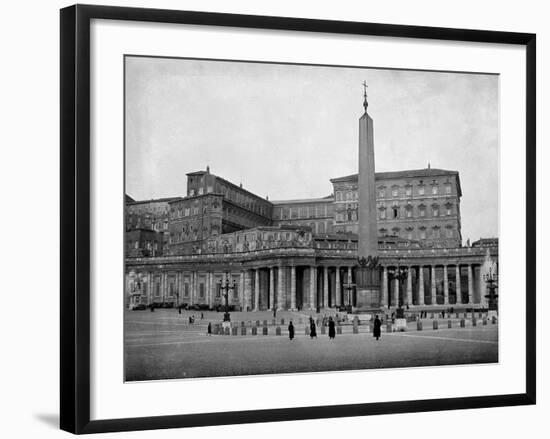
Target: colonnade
(308,287)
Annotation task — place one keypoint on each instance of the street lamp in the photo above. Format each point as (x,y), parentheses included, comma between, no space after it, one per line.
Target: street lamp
(226,285)
(399,273)
(491,279)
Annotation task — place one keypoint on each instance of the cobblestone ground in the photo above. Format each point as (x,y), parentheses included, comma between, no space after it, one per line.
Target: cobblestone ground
(163,345)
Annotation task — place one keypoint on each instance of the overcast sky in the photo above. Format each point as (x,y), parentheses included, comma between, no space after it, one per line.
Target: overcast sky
(285,130)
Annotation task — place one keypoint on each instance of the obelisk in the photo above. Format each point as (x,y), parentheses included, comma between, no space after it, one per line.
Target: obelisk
(368,273)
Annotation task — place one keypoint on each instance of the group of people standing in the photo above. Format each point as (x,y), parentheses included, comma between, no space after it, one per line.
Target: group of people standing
(332,328)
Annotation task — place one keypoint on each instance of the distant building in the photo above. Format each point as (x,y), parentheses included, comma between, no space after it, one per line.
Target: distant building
(143,243)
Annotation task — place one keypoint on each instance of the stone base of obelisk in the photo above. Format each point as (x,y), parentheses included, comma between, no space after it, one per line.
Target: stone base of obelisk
(367,299)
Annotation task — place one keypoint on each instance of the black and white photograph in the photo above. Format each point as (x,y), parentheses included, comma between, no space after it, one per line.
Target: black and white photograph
(294,218)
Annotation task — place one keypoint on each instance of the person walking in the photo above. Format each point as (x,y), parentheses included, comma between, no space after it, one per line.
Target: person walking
(376,330)
(312,329)
(331,329)
(209,328)
(291,331)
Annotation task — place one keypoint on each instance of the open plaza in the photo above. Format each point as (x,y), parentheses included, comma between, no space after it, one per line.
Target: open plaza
(164,344)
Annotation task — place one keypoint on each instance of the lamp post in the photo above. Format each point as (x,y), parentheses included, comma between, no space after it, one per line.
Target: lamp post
(349,288)
(399,273)
(491,279)
(226,285)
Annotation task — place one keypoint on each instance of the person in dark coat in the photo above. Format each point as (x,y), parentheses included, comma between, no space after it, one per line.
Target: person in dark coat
(331,328)
(209,328)
(290,330)
(312,329)
(377,325)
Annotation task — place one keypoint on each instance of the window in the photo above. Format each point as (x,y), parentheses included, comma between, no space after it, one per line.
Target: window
(186,212)
(201,290)
(449,233)
(209,189)
(394,191)
(191,192)
(435,190)
(422,211)
(420,190)
(435,211)
(408,191)
(422,234)
(382,213)
(395,212)
(136,244)
(409,234)
(186,290)
(449,211)
(200,191)
(157,288)
(381,193)
(436,233)
(447,188)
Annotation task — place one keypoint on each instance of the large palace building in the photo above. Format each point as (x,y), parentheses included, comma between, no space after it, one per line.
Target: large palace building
(302,254)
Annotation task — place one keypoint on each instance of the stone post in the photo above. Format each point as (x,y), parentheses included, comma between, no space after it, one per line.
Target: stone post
(293,288)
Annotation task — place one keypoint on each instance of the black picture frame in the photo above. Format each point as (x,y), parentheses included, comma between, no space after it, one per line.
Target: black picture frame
(75,217)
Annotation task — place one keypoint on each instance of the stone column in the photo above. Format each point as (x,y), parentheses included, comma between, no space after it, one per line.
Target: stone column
(271,288)
(281,299)
(445,286)
(409,286)
(241,290)
(257,290)
(395,295)
(481,288)
(433,290)
(312,287)
(470,284)
(338,293)
(458,286)
(293,288)
(325,287)
(384,298)
(350,292)
(247,288)
(420,285)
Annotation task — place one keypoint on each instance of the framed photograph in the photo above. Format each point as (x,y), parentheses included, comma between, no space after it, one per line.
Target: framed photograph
(275,218)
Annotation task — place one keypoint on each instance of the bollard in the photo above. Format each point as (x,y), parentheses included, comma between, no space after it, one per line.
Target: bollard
(355,329)
(254,330)
(462,323)
(277,330)
(264,330)
(419,325)
(484,321)
(338,330)
(226,331)
(388,327)
(494,320)
(436,324)
(323,329)
(235,331)
(449,324)
(474,321)
(243,330)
